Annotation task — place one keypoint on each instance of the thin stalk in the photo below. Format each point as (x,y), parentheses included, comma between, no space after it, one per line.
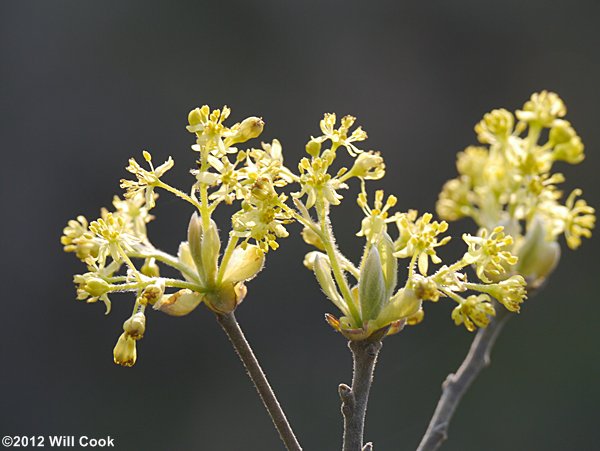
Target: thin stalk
(178,193)
(244,351)
(456,385)
(332,253)
(355,398)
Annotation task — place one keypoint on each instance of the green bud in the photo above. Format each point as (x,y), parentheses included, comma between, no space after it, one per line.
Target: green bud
(389,263)
(537,256)
(180,303)
(150,268)
(195,118)
(313,147)
(124,353)
(195,244)
(211,245)
(96,286)
(372,289)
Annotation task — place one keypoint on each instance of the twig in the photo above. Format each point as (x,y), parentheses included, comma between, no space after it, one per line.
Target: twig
(244,351)
(355,398)
(456,385)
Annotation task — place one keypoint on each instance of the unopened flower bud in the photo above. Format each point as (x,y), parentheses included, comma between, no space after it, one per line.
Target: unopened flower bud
(124,353)
(195,119)
(249,128)
(95,286)
(313,147)
(372,290)
(135,326)
(310,258)
(537,256)
(150,268)
(389,263)
(211,245)
(195,244)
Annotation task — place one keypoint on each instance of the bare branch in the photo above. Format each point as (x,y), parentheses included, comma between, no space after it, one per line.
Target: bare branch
(244,351)
(355,398)
(456,385)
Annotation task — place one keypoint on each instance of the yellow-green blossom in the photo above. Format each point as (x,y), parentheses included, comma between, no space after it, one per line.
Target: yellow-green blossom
(339,136)
(146,180)
(368,296)
(511,183)
(376,219)
(474,312)
(488,252)
(121,258)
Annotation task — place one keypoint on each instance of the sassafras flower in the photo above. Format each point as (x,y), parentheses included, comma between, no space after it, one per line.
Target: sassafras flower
(489,252)
(146,180)
(474,312)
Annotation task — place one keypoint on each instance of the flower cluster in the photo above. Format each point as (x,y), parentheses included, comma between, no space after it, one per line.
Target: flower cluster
(121,258)
(376,305)
(509,182)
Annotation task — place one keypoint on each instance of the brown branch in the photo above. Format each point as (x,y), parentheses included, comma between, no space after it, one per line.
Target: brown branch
(244,351)
(355,398)
(457,384)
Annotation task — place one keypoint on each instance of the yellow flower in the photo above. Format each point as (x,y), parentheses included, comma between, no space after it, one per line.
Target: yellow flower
(113,238)
(567,145)
(488,252)
(146,180)
(474,312)
(377,218)
(510,292)
(368,165)
(542,109)
(339,136)
(419,239)
(579,219)
(496,126)
(77,239)
(262,216)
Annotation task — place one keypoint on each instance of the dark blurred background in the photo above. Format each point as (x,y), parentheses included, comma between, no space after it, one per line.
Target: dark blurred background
(86,85)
